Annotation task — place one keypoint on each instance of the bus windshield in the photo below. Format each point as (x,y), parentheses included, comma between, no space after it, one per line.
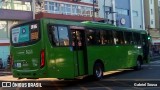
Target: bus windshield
(25,34)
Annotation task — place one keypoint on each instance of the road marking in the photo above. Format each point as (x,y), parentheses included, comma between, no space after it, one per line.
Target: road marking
(82,87)
(130,79)
(108,88)
(155,61)
(152,65)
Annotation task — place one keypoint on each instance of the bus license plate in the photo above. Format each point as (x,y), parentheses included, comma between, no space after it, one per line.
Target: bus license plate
(18,65)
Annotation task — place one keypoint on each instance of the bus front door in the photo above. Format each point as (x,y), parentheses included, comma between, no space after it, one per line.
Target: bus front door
(79,50)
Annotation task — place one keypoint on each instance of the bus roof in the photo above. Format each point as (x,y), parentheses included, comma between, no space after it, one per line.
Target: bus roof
(86,24)
(98,25)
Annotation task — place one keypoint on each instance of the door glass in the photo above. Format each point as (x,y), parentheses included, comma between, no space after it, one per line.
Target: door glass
(76,40)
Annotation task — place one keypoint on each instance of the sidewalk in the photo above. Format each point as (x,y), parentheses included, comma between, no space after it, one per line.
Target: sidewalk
(153,58)
(4,72)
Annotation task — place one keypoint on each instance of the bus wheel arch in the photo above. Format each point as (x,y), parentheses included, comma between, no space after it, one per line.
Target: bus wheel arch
(98,69)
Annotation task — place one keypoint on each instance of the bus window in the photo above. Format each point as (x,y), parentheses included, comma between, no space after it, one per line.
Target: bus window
(59,35)
(63,36)
(118,37)
(93,37)
(128,37)
(137,39)
(26,34)
(53,35)
(106,37)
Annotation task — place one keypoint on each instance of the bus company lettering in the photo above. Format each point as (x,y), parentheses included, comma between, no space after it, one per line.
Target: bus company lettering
(14,84)
(29,52)
(145,85)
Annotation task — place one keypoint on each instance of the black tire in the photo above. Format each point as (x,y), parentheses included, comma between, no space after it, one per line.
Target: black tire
(138,65)
(97,71)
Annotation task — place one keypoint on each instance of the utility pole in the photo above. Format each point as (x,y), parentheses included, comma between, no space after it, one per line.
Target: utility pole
(104,11)
(93,10)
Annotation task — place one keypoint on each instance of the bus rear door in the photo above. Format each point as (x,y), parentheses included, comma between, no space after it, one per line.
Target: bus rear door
(80,51)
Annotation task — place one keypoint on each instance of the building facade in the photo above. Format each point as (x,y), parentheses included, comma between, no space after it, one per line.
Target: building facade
(77,10)
(151,10)
(11,12)
(107,11)
(123,14)
(137,14)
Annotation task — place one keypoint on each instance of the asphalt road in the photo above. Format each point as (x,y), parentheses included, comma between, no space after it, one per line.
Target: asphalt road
(146,79)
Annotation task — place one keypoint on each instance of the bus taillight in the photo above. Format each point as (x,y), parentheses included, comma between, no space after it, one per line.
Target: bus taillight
(42,58)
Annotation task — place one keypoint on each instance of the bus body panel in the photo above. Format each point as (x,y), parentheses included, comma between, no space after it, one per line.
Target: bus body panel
(113,58)
(65,62)
(62,61)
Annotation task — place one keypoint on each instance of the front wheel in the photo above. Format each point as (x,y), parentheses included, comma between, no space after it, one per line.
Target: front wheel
(98,71)
(138,65)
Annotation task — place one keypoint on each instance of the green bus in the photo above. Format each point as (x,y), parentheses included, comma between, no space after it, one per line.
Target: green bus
(50,48)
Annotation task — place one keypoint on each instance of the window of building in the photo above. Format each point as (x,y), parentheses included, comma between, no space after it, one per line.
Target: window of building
(63,10)
(135,13)
(152,22)
(3,29)
(83,10)
(57,8)
(51,6)
(74,10)
(151,11)
(122,11)
(79,10)
(68,9)
(15,5)
(46,5)
(151,1)
(88,11)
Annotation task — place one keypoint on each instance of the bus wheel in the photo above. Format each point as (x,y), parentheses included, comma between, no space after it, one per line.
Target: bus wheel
(98,71)
(138,65)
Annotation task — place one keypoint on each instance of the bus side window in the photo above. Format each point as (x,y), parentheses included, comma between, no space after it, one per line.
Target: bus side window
(63,36)
(58,35)
(93,37)
(106,37)
(137,38)
(128,37)
(118,37)
(53,35)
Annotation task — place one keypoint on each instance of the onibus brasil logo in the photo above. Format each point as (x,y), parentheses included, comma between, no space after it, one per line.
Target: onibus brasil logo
(21,84)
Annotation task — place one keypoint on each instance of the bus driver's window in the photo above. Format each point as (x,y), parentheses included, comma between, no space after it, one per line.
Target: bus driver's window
(53,35)
(63,36)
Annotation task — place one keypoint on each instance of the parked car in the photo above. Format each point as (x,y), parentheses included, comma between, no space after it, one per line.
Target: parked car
(1,63)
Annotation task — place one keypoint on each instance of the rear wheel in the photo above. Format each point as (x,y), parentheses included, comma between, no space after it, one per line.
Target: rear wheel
(138,65)
(98,71)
